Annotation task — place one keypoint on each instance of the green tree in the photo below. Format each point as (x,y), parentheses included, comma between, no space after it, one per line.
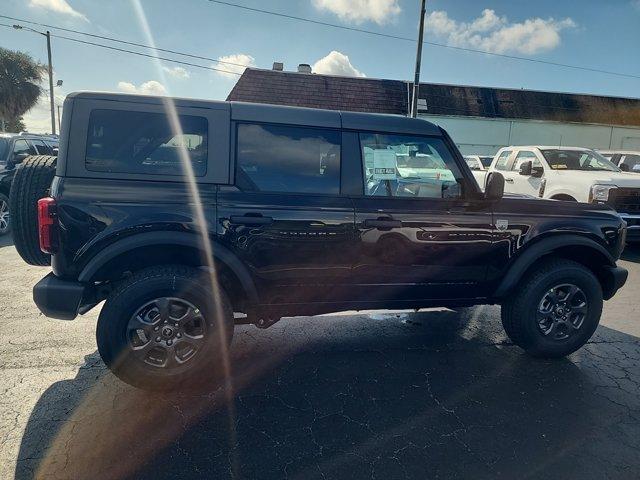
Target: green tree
(20,78)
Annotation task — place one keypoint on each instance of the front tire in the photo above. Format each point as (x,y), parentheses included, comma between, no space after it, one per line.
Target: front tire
(162,330)
(555,310)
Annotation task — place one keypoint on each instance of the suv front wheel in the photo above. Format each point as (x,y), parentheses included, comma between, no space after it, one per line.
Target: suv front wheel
(162,329)
(555,310)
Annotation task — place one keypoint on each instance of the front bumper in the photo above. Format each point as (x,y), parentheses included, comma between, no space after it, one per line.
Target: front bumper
(57,298)
(613,279)
(633,226)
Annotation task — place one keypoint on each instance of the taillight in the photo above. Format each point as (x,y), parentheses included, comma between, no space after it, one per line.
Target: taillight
(47,213)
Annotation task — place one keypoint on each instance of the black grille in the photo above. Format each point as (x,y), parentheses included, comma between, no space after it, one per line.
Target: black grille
(625,200)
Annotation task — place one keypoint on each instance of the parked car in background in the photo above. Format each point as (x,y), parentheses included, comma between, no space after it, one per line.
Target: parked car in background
(479,165)
(278,211)
(626,160)
(14,148)
(573,174)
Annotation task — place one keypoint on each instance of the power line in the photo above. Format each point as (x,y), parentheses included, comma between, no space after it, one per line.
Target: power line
(125,42)
(136,53)
(433,44)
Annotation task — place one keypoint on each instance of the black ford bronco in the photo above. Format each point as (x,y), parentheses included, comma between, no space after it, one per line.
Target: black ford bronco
(182,214)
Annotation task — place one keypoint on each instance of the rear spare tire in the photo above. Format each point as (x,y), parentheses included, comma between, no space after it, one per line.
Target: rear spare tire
(31,182)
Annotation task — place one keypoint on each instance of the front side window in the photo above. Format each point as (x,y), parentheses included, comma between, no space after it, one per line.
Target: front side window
(408,166)
(578,160)
(632,161)
(287,159)
(121,141)
(22,146)
(503,160)
(526,156)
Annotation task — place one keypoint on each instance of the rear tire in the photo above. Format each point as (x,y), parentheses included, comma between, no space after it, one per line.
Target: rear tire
(149,330)
(554,310)
(31,182)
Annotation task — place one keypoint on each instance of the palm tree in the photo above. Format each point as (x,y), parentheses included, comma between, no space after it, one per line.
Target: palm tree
(20,78)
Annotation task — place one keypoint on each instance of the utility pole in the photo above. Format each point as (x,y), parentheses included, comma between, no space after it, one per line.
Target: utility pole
(59,125)
(416,82)
(53,108)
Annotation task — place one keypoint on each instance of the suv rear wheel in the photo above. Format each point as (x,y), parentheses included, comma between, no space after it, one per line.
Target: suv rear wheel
(161,329)
(555,310)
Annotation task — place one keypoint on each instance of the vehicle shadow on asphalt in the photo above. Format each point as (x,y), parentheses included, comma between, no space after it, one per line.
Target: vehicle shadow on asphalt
(369,396)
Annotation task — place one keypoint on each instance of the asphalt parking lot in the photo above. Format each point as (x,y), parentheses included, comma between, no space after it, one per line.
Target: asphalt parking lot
(437,394)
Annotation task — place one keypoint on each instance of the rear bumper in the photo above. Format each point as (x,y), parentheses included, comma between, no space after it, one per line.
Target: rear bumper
(613,279)
(58,298)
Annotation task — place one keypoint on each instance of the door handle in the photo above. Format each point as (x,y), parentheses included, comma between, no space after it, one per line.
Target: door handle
(508,180)
(251,220)
(382,223)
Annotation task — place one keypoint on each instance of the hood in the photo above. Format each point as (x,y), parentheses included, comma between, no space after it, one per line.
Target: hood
(620,179)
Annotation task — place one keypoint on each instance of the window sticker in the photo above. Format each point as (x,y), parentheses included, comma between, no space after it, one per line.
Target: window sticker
(384,165)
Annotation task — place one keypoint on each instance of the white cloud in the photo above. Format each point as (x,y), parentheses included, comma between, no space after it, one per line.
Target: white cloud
(177,72)
(38,119)
(58,6)
(496,34)
(151,87)
(234,63)
(336,63)
(358,11)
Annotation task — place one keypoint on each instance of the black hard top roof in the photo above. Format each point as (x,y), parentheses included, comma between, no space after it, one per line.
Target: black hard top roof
(313,117)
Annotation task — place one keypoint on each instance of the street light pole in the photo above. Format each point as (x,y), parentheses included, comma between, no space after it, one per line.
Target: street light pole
(416,82)
(50,69)
(53,108)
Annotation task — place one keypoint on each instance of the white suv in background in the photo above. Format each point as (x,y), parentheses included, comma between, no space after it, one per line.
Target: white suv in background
(573,174)
(625,159)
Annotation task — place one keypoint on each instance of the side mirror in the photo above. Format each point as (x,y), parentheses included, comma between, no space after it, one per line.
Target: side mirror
(494,188)
(537,172)
(19,158)
(624,167)
(525,168)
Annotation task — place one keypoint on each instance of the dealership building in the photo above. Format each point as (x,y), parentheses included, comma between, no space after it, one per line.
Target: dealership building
(479,119)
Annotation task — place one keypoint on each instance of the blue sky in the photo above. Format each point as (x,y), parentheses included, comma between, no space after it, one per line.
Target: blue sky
(603,35)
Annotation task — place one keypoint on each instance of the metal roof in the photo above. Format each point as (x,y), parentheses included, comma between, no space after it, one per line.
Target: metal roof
(392,96)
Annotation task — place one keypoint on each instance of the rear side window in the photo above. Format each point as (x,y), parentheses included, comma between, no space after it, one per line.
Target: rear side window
(43,149)
(278,158)
(145,143)
(632,161)
(503,160)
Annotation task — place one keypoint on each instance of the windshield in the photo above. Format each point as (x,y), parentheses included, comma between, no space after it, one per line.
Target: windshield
(4,145)
(578,160)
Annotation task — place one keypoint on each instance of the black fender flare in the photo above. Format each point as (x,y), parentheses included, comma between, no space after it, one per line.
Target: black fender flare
(192,240)
(544,247)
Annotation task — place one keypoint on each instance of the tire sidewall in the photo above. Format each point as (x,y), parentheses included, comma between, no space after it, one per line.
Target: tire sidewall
(535,343)
(113,343)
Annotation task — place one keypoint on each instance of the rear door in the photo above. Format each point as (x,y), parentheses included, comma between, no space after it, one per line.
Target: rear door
(423,231)
(285,216)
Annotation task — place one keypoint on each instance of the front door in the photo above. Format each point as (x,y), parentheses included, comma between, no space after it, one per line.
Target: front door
(285,217)
(524,184)
(421,236)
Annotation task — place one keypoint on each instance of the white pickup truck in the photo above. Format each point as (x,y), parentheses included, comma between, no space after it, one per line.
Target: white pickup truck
(571,174)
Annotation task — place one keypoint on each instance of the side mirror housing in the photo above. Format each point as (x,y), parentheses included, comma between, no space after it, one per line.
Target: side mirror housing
(494,188)
(525,168)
